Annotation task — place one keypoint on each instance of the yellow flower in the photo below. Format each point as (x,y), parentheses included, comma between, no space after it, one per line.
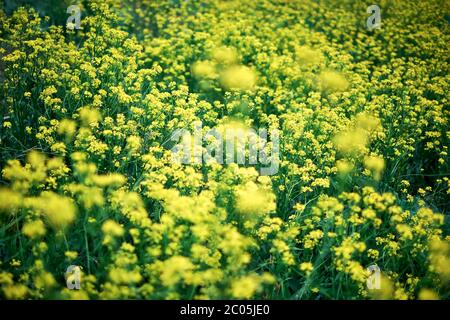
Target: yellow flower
(386,290)
(44,280)
(204,70)
(373,254)
(312,239)
(439,258)
(428,294)
(67,127)
(224,55)
(112,179)
(332,81)
(375,164)
(238,77)
(9,200)
(134,144)
(351,141)
(344,167)
(15,263)
(176,269)
(112,228)
(306,267)
(245,287)
(299,207)
(89,116)
(404,231)
(307,56)
(34,229)
(59,147)
(367,122)
(59,210)
(252,200)
(15,292)
(72,255)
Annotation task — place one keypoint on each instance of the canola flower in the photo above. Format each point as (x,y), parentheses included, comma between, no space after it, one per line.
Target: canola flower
(238,77)
(87,176)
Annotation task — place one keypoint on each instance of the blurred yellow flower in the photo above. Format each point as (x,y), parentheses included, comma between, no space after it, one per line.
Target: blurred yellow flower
(238,77)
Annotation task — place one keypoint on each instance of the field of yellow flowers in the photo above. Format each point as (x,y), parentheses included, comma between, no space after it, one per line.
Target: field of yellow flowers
(88,178)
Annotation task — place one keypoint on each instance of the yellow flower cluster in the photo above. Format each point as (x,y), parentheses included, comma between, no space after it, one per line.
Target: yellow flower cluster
(88,178)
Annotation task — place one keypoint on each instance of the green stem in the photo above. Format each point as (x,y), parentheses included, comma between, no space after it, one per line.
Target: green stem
(87,247)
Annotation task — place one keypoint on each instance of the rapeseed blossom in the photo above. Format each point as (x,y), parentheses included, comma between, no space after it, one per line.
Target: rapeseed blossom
(88,178)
